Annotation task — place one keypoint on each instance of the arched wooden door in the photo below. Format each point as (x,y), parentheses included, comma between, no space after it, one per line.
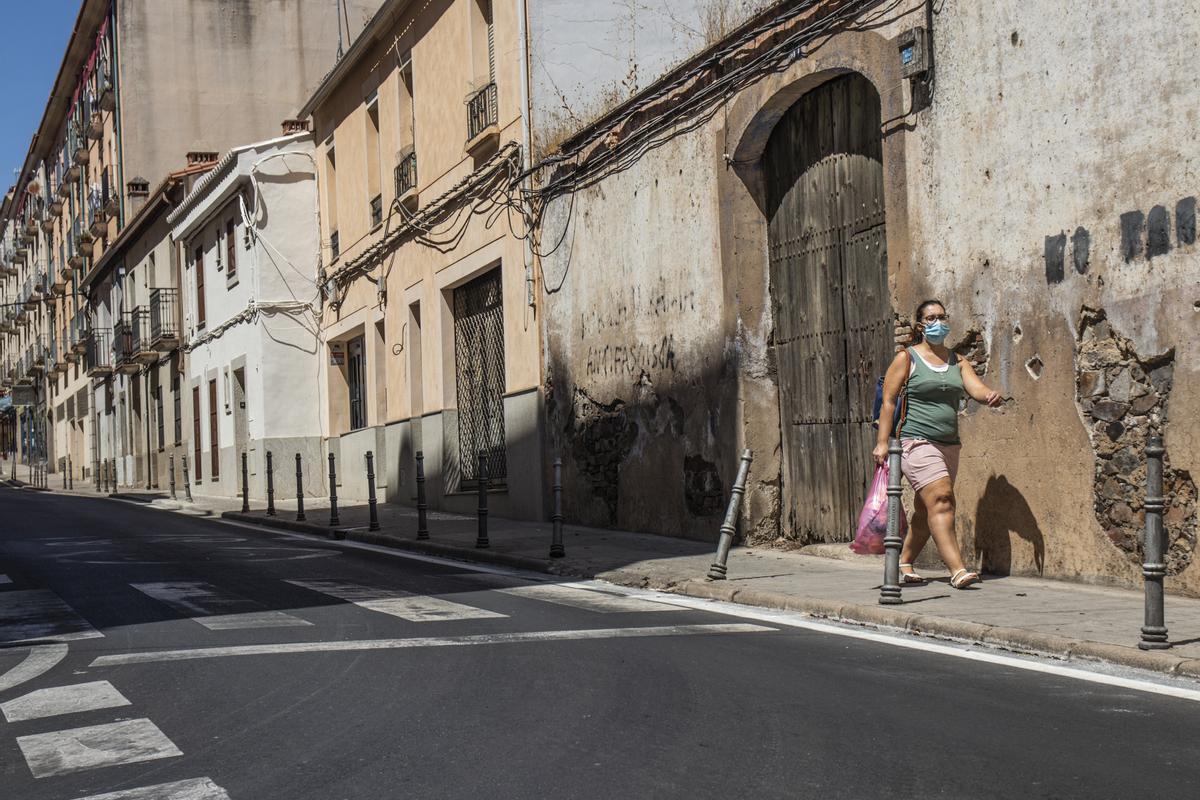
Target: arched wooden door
(829,293)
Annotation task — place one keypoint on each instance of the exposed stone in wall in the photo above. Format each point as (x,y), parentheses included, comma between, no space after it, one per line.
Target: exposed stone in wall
(1123,398)
(703,492)
(600,437)
(973,349)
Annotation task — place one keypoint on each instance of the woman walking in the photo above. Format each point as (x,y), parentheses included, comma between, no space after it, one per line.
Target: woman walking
(934,380)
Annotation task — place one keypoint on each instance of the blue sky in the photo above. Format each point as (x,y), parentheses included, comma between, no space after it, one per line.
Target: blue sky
(36,39)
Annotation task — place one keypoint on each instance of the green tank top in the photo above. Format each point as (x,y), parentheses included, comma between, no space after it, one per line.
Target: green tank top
(933,400)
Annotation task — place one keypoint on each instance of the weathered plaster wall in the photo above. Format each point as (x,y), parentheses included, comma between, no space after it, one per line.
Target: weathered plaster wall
(1038,189)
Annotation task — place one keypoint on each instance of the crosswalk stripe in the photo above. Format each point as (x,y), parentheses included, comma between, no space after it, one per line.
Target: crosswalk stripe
(57,700)
(41,659)
(397,603)
(217,609)
(4,579)
(193,789)
(587,599)
(31,614)
(591,634)
(78,749)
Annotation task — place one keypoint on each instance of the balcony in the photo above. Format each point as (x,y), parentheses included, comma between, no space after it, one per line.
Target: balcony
(106,97)
(84,241)
(61,350)
(65,272)
(164,308)
(56,202)
(405,176)
(98,353)
(131,342)
(38,355)
(482,119)
(139,323)
(57,280)
(95,128)
(79,333)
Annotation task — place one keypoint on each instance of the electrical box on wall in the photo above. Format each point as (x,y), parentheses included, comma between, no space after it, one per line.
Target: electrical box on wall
(914,53)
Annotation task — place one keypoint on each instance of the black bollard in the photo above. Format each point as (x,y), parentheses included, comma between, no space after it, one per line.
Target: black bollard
(171,474)
(70,475)
(245,482)
(556,539)
(720,566)
(1154,568)
(270,485)
(333,514)
(300,490)
(481,538)
(64,469)
(889,593)
(371,504)
(422,520)
(187,484)
(95,473)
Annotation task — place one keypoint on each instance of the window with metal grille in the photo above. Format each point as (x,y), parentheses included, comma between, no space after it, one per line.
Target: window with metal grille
(356,367)
(177,408)
(376,210)
(479,378)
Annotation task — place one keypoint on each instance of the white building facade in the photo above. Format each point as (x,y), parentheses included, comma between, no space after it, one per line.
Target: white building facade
(246,240)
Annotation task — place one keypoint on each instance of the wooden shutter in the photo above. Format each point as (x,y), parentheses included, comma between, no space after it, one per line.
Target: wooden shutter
(196,429)
(199,265)
(230,250)
(214,445)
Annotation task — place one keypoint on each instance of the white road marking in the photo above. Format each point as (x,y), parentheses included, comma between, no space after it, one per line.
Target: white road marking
(217,609)
(425,641)
(32,614)
(41,659)
(128,742)
(397,603)
(63,700)
(4,579)
(795,619)
(194,789)
(588,599)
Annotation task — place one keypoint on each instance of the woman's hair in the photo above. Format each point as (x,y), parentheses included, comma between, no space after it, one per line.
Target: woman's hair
(924,304)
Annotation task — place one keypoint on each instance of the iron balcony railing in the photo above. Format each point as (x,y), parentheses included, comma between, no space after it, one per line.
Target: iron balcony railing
(98,351)
(164,310)
(481,111)
(80,328)
(406,174)
(124,339)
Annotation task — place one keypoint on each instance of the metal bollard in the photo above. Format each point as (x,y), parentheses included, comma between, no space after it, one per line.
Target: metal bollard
(333,512)
(171,474)
(481,538)
(300,490)
(245,482)
(270,485)
(104,476)
(371,504)
(70,475)
(96,473)
(556,539)
(717,570)
(422,507)
(1154,569)
(187,484)
(64,475)
(889,593)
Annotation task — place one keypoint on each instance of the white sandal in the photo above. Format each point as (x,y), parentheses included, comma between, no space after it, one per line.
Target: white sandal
(910,577)
(964,578)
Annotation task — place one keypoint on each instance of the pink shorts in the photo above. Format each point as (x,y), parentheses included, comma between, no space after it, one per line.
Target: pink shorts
(924,462)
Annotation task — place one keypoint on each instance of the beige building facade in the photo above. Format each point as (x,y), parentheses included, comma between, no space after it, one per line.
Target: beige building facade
(142,83)
(430,334)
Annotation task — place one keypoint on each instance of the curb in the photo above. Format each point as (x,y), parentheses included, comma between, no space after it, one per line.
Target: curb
(380,538)
(1014,640)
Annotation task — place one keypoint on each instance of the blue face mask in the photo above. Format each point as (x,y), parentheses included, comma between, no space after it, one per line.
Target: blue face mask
(937,332)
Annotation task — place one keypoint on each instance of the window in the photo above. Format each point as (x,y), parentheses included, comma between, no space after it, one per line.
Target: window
(177,407)
(356,363)
(230,250)
(335,244)
(158,415)
(196,448)
(198,264)
(373,160)
(331,196)
(483,52)
(214,448)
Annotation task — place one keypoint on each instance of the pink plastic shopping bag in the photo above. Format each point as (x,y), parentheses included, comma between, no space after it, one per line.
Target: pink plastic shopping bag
(872,521)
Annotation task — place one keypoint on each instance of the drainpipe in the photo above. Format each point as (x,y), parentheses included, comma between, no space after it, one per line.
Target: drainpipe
(112,27)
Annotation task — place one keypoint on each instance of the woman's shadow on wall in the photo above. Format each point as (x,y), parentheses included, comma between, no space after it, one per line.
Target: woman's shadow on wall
(1002,511)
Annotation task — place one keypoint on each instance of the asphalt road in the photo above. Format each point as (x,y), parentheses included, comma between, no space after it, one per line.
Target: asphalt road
(206,661)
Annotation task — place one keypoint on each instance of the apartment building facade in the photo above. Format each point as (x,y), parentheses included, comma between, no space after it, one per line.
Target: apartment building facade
(429,333)
(141,83)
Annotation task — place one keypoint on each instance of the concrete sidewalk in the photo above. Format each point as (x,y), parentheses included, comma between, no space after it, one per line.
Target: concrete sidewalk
(1028,615)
